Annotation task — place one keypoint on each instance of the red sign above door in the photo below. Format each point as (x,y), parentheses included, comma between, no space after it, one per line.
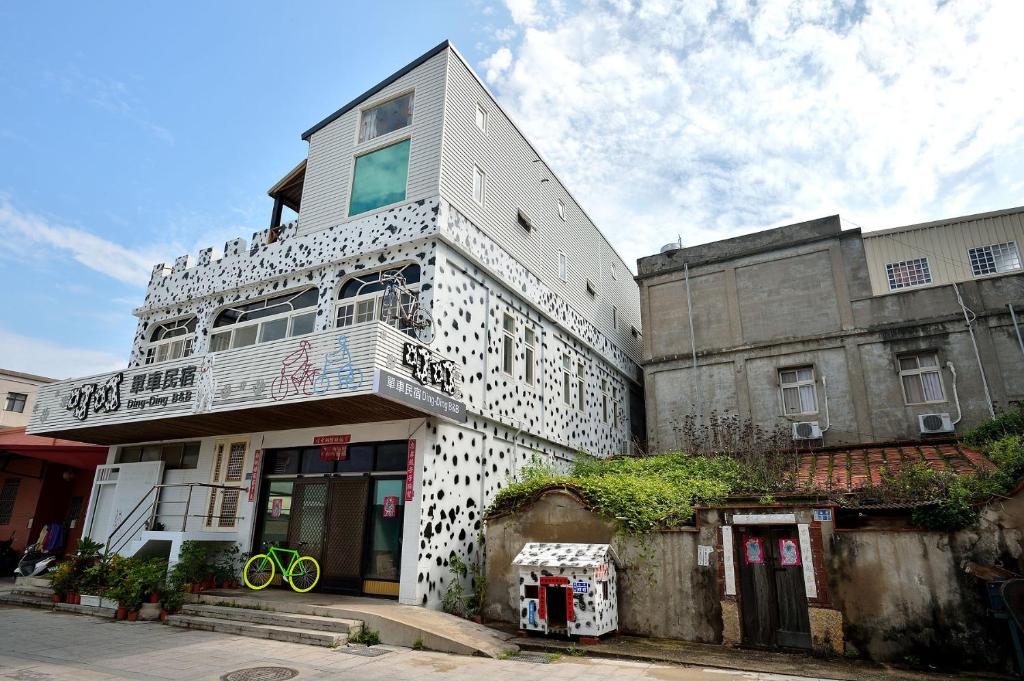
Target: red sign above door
(333,447)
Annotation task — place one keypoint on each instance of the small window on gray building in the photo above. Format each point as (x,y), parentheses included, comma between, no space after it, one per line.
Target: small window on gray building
(921,378)
(481,118)
(392,115)
(798,391)
(994,259)
(508,339)
(561,209)
(529,356)
(561,266)
(16,402)
(908,273)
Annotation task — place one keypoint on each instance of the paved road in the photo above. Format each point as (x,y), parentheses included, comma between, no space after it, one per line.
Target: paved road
(39,645)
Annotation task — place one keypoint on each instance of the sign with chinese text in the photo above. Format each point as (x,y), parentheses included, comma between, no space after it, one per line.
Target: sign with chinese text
(390,507)
(257,457)
(410,470)
(704,555)
(601,572)
(581,587)
(429,369)
(823,515)
(276,506)
(333,447)
(399,389)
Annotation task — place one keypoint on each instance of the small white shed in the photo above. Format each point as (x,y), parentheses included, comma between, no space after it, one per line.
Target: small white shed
(567,589)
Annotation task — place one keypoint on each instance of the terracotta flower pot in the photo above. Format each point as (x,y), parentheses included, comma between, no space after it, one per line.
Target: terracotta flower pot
(154,598)
(75,598)
(133,615)
(56,598)
(163,615)
(121,612)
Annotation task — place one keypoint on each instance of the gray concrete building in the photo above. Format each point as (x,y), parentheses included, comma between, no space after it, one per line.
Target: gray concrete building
(809,331)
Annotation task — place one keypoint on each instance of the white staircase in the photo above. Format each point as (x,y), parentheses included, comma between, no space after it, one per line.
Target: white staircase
(329,632)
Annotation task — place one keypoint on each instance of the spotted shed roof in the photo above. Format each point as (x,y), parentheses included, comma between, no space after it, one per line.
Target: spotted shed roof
(564,555)
(852,468)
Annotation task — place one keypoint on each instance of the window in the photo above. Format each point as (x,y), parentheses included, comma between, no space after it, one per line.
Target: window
(921,378)
(481,118)
(614,271)
(379,178)
(561,209)
(529,356)
(265,320)
(478,185)
(8,495)
(604,400)
(615,317)
(508,341)
(171,340)
(591,289)
(581,386)
(392,115)
(615,406)
(994,259)
(175,455)
(524,220)
(908,273)
(362,297)
(16,402)
(561,266)
(566,380)
(799,395)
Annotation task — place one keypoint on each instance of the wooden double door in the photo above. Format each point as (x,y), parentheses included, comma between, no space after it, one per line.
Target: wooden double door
(773,601)
(328,522)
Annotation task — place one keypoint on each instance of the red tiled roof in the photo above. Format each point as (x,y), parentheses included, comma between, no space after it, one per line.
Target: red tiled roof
(853,468)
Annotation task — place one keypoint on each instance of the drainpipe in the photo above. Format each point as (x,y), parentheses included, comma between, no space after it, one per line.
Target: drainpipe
(824,389)
(956,397)
(693,343)
(1016,327)
(969,317)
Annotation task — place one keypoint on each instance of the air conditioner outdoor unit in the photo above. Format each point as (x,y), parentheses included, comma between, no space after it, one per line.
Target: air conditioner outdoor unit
(806,430)
(935,423)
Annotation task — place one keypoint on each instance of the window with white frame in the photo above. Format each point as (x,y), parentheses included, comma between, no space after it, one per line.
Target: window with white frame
(799,395)
(994,259)
(908,273)
(566,379)
(386,117)
(615,406)
(265,320)
(604,400)
(561,266)
(921,378)
(479,180)
(508,343)
(481,118)
(171,340)
(614,271)
(361,298)
(561,209)
(615,317)
(530,356)
(581,386)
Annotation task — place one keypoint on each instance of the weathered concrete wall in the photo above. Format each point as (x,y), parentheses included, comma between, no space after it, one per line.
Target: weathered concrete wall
(662,592)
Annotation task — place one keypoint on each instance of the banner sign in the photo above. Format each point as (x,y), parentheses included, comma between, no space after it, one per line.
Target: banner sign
(390,507)
(257,457)
(333,447)
(399,389)
(276,506)
(410,471)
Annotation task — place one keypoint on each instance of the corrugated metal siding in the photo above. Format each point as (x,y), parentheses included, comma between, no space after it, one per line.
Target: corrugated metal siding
(514,182)
(332,150)
(945,244)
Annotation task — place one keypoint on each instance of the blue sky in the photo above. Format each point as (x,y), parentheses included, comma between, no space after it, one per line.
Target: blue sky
(131,133)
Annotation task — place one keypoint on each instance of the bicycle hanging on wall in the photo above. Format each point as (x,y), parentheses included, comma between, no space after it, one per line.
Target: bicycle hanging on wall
(401,307)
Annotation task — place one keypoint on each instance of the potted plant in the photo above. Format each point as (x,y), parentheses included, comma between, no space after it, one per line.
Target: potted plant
(61,580)
(171,601)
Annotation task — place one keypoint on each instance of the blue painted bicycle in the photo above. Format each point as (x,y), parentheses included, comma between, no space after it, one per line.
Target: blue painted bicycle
(338,369)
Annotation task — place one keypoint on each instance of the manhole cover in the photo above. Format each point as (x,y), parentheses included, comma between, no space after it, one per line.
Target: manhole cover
(260,674)
(363,652)
(528,657)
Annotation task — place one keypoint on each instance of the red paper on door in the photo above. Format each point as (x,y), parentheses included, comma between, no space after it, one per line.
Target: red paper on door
(753,550)
(789,552)
(276,505)
(390,507)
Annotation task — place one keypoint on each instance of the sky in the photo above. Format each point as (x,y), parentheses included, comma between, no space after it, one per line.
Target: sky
(132,133)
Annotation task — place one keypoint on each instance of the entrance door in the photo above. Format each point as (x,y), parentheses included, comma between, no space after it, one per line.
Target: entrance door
(228,469)
(773,603)
(342,563)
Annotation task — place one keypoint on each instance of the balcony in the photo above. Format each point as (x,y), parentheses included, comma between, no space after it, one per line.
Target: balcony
(364,373)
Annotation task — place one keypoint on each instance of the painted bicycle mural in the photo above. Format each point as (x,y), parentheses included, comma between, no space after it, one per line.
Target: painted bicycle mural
(300,376)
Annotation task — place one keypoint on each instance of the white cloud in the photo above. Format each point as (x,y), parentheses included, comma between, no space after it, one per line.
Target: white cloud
(46,358)
(709,119)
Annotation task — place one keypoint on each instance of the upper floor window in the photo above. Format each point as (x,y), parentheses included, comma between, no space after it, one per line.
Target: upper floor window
(508,337)
(566,379)
(379,178)
(799,395)
(604,400)
(561,209)
(16,402)
(171,340)
(908,273)
(994,259)
(615,317)
(8,495)
(392,115)
(478,185)
(614,271)
(175,455)
(265,320)
(921,378)
(481,118)
(530,356)
(581,386)
(561,266)
(361,298)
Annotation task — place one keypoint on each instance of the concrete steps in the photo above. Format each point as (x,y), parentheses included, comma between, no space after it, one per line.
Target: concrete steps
(334,625)
(34,597)
(289,634)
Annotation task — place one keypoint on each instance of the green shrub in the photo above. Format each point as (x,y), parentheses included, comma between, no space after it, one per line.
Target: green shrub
(366,637)
(1007,423)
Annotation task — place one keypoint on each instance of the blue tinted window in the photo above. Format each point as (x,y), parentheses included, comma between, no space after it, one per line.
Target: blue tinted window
(380,178)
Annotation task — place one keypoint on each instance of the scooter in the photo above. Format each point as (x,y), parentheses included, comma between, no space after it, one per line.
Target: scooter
(35,563)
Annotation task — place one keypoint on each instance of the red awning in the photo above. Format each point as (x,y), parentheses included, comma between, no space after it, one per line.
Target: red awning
(65,452)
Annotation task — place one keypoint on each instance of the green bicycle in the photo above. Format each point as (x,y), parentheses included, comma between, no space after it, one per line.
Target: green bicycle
(302,572)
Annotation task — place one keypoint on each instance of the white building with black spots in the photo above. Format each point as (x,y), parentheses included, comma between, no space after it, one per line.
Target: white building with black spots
(429,312)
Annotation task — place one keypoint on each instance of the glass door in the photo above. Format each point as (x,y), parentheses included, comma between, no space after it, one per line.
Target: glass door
(383,555)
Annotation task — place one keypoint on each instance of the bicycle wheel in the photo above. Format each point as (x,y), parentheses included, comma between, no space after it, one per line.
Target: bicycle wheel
(259,571)
(304,574)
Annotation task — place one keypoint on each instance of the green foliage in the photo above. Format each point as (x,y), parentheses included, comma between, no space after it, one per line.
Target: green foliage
(88,549)
(455,600)
(63,577)
(417,644)
(193,563)
(640,493)
(171,599)
(366,637)
(1007,423)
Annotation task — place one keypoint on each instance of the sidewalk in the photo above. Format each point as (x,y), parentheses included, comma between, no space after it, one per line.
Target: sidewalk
(722,657)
